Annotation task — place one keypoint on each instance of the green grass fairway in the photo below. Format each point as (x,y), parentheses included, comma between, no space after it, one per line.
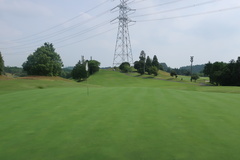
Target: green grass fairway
(122,118)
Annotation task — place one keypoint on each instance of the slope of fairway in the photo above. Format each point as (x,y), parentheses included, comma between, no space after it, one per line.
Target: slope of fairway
(123,117)
(31,83)
(116,79)
(107,78)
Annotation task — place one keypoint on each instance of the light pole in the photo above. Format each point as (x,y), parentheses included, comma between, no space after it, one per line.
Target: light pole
(144,62)
(191,60)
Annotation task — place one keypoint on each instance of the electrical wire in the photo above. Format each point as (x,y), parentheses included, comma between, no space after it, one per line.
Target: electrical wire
(191,15)
(66,37)
(134,2)
(162,4)
(77,25)
(23,48)
(69,20)
(88,37)
(82,32)
(176,9)
(95,35)
(54,34)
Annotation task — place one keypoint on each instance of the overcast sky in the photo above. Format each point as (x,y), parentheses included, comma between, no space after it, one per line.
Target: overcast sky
(173,30)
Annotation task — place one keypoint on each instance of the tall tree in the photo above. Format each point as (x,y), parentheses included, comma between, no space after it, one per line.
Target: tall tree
(44,62)
(155,62)
(125,67)
(207,69)
(225,74)
(142,56)
(1,64)
(154,70)
(148,65)
(93,66)
(216,72)
(237,72)
(79,71)
(140,65)
(142,62)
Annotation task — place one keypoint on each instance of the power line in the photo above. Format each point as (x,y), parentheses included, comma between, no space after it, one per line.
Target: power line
(191,15)
(66,37)
(175,17)
(64,22)
(137,1)
(162,4)
(176,9)
(35,40)
(105,23)
(88,37)
(54,34)
(82,32)
(93,36)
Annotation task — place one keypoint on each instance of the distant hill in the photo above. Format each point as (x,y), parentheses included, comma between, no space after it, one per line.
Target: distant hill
(185,70)
(165,67)
(68,68)
(195,68)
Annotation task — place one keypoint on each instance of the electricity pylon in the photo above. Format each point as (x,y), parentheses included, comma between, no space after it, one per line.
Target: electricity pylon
(123,50)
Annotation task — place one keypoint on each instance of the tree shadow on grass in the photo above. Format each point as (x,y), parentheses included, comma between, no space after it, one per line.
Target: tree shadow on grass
(138,76)
(149,77)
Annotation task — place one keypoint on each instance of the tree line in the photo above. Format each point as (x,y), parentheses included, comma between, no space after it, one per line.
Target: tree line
(151,66)
(46,62)
(84,69)
(225,74)
(1,64)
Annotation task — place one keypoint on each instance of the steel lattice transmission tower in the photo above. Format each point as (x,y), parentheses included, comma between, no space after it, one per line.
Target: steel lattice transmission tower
(123,50)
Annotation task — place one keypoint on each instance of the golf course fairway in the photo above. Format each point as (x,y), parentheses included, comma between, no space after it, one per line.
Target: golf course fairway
(113,116)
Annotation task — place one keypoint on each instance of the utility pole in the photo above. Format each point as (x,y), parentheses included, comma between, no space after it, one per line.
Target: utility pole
(123,50)
(191,60)
(83,60)
(144,62)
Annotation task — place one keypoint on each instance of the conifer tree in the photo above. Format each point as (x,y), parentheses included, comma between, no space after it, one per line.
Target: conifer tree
(155,62)
(1,64)
(148,65)
(140,65)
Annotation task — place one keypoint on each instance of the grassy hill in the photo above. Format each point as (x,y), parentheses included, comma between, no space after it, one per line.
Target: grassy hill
(162,75)
(123,117)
